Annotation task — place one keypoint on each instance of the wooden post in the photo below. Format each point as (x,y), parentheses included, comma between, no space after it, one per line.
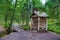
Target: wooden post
(38,23)
(46,23)
(31,23)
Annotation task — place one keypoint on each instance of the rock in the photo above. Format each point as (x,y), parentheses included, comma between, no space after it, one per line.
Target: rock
(2,28)
(15,27)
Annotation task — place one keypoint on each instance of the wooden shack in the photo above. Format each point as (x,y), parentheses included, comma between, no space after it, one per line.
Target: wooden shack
(39,20)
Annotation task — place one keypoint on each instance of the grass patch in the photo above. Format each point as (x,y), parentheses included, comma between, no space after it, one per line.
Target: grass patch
(26,27)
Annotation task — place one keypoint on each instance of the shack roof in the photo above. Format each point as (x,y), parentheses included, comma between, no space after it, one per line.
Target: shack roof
(42,14)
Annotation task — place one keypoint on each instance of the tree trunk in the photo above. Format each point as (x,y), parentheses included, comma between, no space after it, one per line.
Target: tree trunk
(9,29)
(6,15)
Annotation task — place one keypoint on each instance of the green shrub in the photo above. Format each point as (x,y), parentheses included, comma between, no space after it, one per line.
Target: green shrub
(51,28)
(57,31)
(58,23)
(51,21)
(54,28)
(26,27)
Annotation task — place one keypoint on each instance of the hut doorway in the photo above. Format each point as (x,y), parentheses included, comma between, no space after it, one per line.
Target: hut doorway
(42,23)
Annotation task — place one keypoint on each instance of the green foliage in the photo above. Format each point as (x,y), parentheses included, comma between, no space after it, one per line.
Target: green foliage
(53,6)
(26,27)
(53,27)
(37,4)
(58,23)
(7,25)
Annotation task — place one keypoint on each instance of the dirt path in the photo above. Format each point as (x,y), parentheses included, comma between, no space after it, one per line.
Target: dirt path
(31,35)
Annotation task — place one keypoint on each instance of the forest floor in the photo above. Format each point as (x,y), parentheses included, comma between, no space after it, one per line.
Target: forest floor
(31,35)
